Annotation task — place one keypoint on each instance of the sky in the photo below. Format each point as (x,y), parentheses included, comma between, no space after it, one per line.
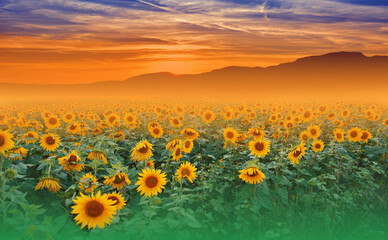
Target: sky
(83,41)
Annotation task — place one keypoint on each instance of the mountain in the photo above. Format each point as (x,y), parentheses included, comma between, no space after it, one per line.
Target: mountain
(339,75)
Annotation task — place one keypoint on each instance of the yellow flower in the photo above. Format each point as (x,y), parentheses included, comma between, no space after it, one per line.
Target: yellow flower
(190,133)
(51,184)
(354,134)
(142,151)
(252,175)
(230,134)
(314,131)
(318,146)
(156,132)
(339,134)
(118,200)
(71,162)
(208,117)
(88,183)
(297,153)
(187,171)
(96,210)
(50,142)
(151,183)
(5,141)
(259,147)
(118,180)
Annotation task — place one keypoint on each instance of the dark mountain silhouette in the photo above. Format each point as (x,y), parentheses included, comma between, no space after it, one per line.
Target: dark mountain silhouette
(331,76)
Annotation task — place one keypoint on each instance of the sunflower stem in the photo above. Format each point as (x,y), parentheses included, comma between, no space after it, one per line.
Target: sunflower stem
(180,188)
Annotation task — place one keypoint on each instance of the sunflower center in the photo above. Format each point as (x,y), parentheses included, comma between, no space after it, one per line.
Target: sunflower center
(304,137)
(253,173)
(297,153)
(151,181)
(317,145)
(228,114)
(72,160)
(313,131)
(144,149)
(187,144)
(339,135)
(112,119)
(2,140)
(175,121)
(53,121)
(307,114)
(94,209)
(185,172)
(156,130)
(68,116)
(119,179)
(189,133)
(72,127)
(230,135)
(364,135)
(177,152)
(115,199)
(259,146)
(50,140)
(353,134)
(208,116)
(30,135)
(130,119)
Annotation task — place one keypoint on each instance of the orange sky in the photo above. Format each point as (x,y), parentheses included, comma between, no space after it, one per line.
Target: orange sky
(81,41)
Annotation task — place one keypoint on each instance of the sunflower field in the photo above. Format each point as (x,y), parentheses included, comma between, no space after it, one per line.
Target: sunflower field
(193,170)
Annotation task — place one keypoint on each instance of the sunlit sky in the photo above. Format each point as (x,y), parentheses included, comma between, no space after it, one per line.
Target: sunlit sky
(82,41)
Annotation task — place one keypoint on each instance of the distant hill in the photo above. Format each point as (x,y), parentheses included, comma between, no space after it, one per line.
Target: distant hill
(336,75)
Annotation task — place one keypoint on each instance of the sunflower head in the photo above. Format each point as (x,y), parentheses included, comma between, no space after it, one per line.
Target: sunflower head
(230,134)
(151,182)
(354,134)
(259,147)
(117,181)
(187,171)
(142,151)
(318,146)
(95,210)
(252,175)
(50,141)
(118,199)
(5,141)
(51,184)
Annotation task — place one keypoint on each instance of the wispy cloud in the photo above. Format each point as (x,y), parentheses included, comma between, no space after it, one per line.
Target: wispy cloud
(137,36)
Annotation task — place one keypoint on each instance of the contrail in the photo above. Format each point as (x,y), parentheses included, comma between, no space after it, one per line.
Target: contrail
(157,6)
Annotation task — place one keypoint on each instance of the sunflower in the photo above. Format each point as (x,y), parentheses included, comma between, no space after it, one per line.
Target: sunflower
(6,141)
(289,124)
(339,134)
(113,120)
(156,132)
(142,151)
(96,210)
(50,142)
(171,145)
(150,163)
(190,133)
(71,162)
(177,153)
(252,175)
(297,153)
(365,136)
(304,135)
(130,119)
(314,131)
(73,128)
(118,200)
(68,117)
(52,122)
(175,122)
(230,134)
(119,135)
(21,151)
(95,131)
(50,183)
(88,183)
(259,147)
(186,171)
(346,113)
(354,134)
(187,146)
(153,124)
(208,117)
(118,180)
(228,114)
(331,116)
(30,137)
(308,116)
(318,146)
(150,182)
(241,137)
(256,132)
(385,122)
(98,155)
